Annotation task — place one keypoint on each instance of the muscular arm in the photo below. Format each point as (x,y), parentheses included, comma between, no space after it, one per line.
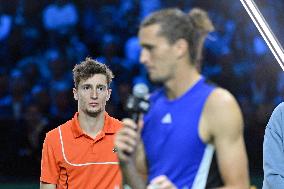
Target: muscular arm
(224,122)
(44,185)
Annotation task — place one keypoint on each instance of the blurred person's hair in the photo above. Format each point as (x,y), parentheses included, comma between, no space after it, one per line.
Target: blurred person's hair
(175,25)
(88,68)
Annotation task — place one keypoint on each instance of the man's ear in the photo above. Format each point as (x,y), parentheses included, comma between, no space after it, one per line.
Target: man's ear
(181,47)
(109,93)
(75,93)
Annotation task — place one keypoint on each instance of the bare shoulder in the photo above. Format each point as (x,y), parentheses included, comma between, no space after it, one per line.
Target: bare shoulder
(224,124)
(220,98)
(223,114)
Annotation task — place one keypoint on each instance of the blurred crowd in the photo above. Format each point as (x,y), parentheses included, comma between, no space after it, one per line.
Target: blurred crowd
(41,41)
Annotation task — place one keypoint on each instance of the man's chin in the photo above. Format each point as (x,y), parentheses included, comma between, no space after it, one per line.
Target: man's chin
(93,113)
(157,81)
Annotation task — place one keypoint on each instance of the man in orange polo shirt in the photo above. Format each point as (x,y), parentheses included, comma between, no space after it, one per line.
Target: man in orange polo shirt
(80,153)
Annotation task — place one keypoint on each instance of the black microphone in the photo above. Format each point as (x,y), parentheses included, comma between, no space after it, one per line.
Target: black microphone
(138,103)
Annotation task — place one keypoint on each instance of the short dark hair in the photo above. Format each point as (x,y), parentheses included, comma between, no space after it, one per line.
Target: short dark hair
(175,24)
(88,68)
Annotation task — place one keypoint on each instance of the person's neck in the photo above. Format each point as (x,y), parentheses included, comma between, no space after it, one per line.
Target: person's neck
(91,125)
(185,77)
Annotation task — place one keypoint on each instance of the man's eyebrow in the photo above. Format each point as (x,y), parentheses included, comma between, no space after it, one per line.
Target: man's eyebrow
(101,85)
(147,46)
(86,85)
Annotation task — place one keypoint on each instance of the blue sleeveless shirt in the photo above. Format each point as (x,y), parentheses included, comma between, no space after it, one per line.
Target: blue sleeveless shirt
(171,140)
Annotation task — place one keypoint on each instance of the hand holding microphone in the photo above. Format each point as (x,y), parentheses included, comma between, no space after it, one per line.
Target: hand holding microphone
(128,138)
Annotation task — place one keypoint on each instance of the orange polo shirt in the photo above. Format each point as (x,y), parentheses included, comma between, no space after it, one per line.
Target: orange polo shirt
(74,160)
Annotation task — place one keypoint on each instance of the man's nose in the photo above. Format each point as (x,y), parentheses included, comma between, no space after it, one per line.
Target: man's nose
(94,94)
(144,56)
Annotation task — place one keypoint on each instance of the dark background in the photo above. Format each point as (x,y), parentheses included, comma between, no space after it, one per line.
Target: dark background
(41,41)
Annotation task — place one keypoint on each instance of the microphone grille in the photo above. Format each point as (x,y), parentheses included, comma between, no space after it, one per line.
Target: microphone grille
(140,90)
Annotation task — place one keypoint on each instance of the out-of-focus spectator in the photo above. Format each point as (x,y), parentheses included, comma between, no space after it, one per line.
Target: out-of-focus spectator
(76,50)
(59,74)
(5,98)
(62,104)
(132,52)
(20,97)
(5,26)
(35,36)
(41,97)
(111,56)
(60,16)
(131,62)
(129,12)
(31,73)
(263,83)
(91,29)
(148,6)
(30,136)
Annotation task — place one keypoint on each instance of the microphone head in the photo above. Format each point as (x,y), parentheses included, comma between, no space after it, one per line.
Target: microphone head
(138,102)
(140,90)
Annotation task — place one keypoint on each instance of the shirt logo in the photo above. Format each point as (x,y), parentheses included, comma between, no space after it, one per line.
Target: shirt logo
(167,119)
(114,150)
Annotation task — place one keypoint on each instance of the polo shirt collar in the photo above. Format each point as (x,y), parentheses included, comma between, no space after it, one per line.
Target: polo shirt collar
(109,127)
(77,130)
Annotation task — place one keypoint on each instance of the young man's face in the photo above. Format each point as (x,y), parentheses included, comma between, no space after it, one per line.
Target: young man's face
(92,95)
(157,54)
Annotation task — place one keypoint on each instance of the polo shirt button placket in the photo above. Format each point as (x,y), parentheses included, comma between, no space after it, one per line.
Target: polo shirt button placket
(94,151)
(95,145)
